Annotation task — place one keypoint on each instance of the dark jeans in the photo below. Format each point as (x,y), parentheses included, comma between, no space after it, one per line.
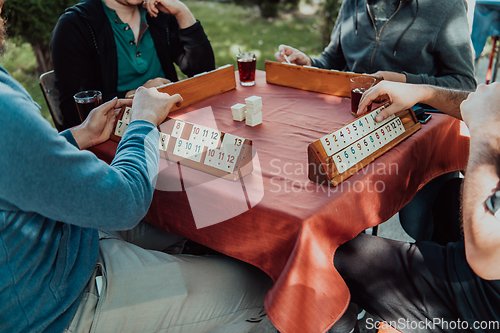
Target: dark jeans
(416,287)
(434,212)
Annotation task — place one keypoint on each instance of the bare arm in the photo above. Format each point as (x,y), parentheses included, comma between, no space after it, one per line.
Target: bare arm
(481,112)
(403,96)
(391,76)
(175,7)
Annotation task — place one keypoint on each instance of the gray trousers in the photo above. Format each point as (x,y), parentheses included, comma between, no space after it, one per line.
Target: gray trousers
(145,290)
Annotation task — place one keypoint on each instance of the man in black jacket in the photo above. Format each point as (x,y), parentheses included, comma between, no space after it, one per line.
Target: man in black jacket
(116,46)
(422,286)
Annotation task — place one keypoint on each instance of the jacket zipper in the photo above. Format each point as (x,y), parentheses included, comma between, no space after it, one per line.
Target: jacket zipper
(377,34)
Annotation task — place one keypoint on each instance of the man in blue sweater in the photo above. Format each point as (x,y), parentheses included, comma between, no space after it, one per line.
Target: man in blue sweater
(56,273)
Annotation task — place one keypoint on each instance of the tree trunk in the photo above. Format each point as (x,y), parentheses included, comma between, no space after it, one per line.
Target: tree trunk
(43,58)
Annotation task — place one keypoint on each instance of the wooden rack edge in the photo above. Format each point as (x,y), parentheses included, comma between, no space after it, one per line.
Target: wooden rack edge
(326,81)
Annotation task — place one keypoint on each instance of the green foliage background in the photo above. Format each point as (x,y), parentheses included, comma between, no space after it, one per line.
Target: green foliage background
(270,8)
(33,20)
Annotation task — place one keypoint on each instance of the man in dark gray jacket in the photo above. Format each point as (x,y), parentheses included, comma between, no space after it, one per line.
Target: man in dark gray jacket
(413,41)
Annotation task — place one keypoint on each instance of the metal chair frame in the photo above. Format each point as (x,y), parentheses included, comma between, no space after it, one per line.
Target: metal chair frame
(491,72)
(51,95)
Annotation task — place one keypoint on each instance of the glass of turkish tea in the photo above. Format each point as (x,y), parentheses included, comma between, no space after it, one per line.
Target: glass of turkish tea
(360,84)
(86,101)
(246,68)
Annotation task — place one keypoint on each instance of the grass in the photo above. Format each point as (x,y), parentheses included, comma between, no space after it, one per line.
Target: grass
(229,28)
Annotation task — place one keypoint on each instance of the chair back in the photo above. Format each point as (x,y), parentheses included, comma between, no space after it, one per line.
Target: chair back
(51,95)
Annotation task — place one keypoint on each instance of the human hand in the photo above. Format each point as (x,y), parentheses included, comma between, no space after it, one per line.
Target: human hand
(153,83)
(391,76)
(401,95)
(151,105)
(481,110)
(294,56)
(99,123)
(175,7)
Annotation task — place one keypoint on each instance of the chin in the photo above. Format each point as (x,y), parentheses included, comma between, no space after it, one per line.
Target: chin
(135,2)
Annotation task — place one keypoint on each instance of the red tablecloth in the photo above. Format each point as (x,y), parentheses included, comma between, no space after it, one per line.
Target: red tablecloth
(287,225)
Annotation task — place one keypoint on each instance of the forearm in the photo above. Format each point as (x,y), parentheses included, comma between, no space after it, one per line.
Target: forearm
(443,99)
(327,62)
(73,186)
(185,18)
(83,140)
(454,80)
(481,228)
(195,53)
(332,56)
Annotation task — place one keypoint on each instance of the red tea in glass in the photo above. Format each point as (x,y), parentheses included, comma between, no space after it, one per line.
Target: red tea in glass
(355,98)
(86,101)
(360,84)
(246,68)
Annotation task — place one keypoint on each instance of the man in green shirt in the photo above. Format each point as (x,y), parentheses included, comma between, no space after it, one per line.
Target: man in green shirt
(116,46)
(136,53)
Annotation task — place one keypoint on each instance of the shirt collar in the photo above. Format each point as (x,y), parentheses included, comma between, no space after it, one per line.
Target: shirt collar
(113,16)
